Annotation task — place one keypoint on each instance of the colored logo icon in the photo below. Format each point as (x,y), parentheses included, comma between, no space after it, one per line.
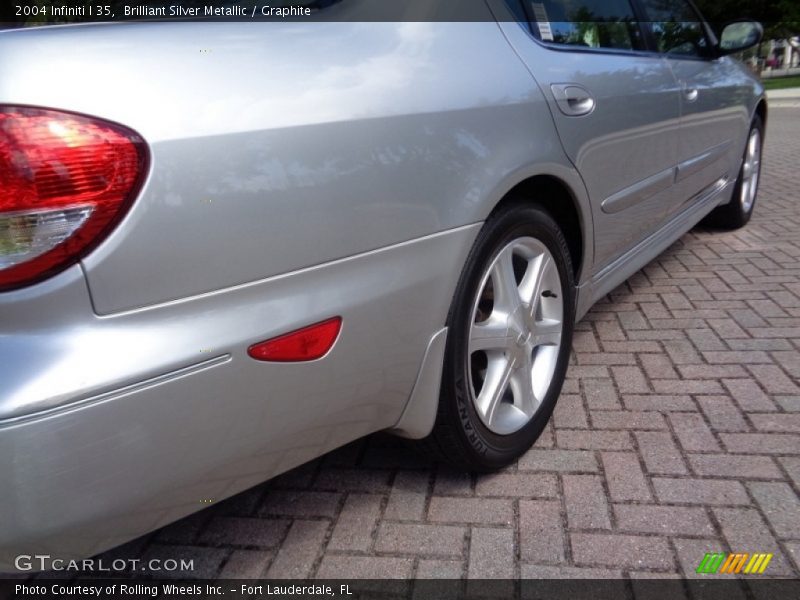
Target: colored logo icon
(734,563)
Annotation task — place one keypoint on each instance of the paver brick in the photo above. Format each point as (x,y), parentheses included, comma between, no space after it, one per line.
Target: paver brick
(569,412)
(762,443)
(262,533)
(300,504)
(624,477)
(693,433)
(711,371)
(658,366)
(601,394)
(470,510)
(659,402)
(789,403)
(421,539)
(686,386)
(359,516)
(246,564)
(409,496)
(630,380)
(628,419)
(298,552)
(780,505)
(618,550)
(364,567)
(779,422)
(735,466)
(748,395)
(538,572)
(430,568)
(700,491)
(660,454)
(587,506)
(722,413)
(736,357)
(518,485)
(774,380)
(663,520)
(593,440)
(559,460)
(540,532)
(491,554)
(348,480)
(792,466)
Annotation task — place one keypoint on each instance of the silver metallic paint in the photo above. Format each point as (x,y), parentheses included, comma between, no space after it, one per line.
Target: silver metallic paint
(270,154)
(229,424)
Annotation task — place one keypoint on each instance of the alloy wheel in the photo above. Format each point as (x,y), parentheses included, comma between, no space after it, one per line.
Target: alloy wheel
(515,335)
(750,171)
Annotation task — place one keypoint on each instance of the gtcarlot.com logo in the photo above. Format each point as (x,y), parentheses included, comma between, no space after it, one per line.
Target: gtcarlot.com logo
(734,563)
(45,562)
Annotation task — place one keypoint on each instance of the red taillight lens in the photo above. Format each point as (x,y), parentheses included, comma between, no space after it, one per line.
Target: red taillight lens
(65,181)
(309,343)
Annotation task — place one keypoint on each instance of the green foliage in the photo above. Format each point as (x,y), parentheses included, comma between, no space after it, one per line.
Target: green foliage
(780,83)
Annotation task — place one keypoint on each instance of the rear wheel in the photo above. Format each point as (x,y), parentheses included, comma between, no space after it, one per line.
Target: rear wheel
(510,331)
(738,211)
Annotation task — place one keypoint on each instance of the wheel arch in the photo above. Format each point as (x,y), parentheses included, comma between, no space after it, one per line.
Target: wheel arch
(761,111)
(565,199)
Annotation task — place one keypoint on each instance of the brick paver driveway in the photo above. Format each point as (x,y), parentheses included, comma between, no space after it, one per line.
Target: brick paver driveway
(678,433)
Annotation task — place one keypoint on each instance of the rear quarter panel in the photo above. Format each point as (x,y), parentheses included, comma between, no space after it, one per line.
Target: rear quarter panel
(277,146)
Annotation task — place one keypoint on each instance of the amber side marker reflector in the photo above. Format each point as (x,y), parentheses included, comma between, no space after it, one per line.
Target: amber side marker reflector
(308,343)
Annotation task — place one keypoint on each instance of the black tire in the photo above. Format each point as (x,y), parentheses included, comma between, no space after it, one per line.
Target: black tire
(737,212)
(459,436)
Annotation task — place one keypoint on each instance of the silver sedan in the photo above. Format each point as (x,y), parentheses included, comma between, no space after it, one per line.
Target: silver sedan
(228,248)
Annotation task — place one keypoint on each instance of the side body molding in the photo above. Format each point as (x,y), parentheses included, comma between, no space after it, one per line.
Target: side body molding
(700,162)
(638,192)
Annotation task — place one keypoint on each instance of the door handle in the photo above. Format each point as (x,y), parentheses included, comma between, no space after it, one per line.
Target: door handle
(572,99)
(691,94)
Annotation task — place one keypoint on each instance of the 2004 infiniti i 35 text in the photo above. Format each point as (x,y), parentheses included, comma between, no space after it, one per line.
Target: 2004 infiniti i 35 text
(227,248)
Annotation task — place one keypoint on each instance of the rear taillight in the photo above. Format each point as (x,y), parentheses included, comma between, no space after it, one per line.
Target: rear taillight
(65,181)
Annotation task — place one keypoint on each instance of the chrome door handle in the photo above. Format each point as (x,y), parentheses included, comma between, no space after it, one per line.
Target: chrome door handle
(691,94)
(572,99)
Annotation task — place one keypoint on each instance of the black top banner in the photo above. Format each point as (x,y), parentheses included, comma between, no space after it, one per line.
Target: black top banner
(26,13)
(29,13)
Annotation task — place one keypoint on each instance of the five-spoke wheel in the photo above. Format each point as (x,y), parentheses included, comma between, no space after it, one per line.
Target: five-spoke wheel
(509,335)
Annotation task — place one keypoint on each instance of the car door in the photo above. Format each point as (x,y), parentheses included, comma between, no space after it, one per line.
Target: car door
(616,106)
(713,114)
